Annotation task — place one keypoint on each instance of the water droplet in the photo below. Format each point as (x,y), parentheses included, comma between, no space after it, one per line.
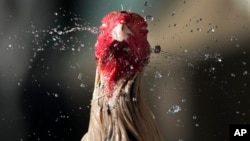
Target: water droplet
(212,69)
(190,65)
(58,84)
(173,13)
(148,18)
(36,36)
(59,32)
(206,56)
(232,74)
(194,117)
(174,109)
(197,125)
(219,59)
(157,49)
(152,89)
(78,49)
(134,99)
(199,29)
(82,85)
(55,13)
(131,67)
(237,45)
(56,95)
(245,73)
(158,74)
(232,38)
(210,30)
(80,76)
(243,63)
(147,4)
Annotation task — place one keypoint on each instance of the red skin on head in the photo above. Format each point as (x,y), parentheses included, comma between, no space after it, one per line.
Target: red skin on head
(121,59)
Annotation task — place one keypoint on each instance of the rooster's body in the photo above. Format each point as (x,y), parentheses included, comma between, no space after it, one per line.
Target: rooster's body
(118,109)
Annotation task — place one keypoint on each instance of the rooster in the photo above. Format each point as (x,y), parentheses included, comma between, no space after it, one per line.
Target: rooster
(118,109)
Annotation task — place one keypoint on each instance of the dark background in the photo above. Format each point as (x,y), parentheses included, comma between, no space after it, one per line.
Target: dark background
(47,66)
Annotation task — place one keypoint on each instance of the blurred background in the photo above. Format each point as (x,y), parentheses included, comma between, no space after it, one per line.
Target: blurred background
(196,86)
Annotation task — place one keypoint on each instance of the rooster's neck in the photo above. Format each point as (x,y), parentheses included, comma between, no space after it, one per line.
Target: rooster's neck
(122,117)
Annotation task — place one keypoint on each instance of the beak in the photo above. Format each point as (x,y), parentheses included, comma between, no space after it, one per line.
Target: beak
(120,32)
